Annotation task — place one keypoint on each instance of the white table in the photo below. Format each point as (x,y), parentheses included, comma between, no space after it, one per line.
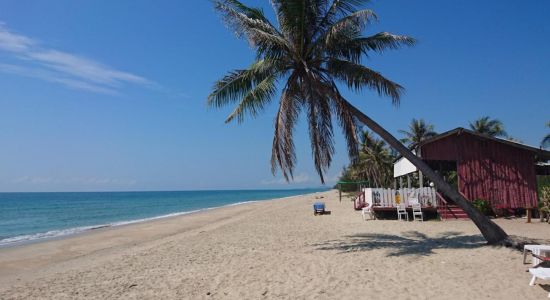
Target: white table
(535,249)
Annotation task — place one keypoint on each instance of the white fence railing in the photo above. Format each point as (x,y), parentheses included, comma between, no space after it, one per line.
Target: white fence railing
(386,197)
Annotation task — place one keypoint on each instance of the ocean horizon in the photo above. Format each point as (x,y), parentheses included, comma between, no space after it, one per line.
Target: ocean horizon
(32,216)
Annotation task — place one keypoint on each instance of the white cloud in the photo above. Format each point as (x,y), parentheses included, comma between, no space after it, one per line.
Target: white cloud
(64,68)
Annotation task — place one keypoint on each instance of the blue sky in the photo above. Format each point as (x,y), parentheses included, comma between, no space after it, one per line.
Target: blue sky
(110,95)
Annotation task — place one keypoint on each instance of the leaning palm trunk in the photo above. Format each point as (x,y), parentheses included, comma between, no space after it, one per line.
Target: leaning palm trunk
(490,231)
(316,44)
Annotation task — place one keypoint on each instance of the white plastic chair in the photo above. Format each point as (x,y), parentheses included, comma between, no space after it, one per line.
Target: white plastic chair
(367,212)
(402,211)
(542,273)
(417,212)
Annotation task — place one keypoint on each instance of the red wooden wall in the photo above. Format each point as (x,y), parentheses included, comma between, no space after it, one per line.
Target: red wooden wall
(500,173)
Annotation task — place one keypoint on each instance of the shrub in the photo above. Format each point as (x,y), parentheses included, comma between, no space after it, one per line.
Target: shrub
(482,205)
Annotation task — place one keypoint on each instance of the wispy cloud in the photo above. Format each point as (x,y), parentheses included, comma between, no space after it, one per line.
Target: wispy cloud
(300,178)
(38,180)
(55,78)
(70,70)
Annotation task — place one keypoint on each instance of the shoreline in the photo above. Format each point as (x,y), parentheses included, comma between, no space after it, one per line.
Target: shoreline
(58,234)
(48,246)
(274,249)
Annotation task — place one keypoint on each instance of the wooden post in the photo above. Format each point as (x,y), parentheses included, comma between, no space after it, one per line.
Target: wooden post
(420,175)
(340,191)
(528,214)
(408,181)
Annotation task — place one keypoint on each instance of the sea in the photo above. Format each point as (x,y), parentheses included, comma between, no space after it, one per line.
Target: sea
(30,217)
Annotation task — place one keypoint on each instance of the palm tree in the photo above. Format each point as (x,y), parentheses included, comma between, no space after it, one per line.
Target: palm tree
(375,162)
(418,131)
(488,126)
(314,45)
(546,140)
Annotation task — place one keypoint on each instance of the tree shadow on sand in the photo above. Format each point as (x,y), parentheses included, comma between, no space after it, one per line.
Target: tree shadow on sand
(409,243)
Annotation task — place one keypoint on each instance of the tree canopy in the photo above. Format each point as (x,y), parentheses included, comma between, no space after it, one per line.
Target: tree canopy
(491,127)
(418,131)
(309,49)
(546,140)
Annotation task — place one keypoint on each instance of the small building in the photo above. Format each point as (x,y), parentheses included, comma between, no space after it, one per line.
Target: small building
(499,171)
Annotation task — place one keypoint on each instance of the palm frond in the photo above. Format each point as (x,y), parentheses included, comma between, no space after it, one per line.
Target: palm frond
(255,100)
(340,8)
(252,24)
(419,130)
(283,154)
(347,121)
(356,21)
(319,122)
(383,41)
(546,140)
(235,85)
(321,138)
(357,77)
(290,15)
(486,125)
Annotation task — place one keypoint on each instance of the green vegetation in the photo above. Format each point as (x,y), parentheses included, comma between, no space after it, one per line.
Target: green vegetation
(488,126)
(375,163)
(418,131)
(546,140)
(543,181)
(544,204)
(482,205)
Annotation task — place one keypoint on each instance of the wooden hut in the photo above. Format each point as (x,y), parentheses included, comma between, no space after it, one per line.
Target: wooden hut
(500,171)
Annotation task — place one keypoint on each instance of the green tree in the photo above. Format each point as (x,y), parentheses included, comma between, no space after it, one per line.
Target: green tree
(374,164)
(491,127)
(418,131)
(314,45)
(546,140)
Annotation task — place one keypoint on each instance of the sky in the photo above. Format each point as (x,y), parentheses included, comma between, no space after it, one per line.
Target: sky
(111,95)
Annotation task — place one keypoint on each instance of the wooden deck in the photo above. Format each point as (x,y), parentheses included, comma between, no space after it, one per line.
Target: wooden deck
(386,208)
(386,212)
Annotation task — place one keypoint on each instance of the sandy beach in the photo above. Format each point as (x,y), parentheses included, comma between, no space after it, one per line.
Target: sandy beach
(274,250)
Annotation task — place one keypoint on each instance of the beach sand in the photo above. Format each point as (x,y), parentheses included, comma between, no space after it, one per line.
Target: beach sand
(274,250)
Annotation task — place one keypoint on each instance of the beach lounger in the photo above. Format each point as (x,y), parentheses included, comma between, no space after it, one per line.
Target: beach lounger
(536,250)
(541,270)
(318,208)
(541,273)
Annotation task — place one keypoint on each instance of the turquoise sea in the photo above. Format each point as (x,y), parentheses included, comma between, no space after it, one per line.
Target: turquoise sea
(26,217)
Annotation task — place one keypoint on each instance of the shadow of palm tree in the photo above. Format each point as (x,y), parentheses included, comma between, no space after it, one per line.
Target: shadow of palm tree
(409,243)
(521,241)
